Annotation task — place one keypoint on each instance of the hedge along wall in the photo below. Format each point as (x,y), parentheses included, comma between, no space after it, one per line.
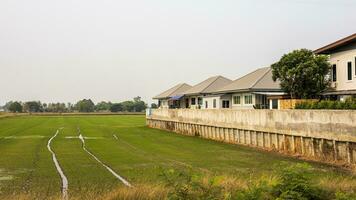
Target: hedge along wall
(290,103)
(328,136)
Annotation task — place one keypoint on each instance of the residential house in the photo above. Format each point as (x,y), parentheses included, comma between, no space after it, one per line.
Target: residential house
(172,98)
(343,61)
(251,91)
(199,96)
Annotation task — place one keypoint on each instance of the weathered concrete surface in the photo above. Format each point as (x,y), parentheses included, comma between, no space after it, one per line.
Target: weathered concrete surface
(328,136)
(336,125)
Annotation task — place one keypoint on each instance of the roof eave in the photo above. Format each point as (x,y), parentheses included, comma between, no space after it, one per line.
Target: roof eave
(159,98)
(330,47)
(249,90)
(193,94)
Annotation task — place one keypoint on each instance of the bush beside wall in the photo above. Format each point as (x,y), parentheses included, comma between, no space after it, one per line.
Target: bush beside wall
(349,104)
(291,103)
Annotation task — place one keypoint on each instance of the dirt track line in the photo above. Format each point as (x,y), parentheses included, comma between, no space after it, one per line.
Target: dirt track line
(24,137)
(59,169)
(124,181)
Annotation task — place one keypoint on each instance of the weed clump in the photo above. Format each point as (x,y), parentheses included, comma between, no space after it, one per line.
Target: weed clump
(291,183)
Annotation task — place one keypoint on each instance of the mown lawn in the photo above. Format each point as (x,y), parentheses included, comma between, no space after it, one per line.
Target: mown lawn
(137,153)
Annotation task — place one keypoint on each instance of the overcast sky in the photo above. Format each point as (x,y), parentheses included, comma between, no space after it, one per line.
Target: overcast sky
(114,50)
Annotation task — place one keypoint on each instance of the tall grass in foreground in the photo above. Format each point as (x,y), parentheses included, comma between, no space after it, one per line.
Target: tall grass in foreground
(292,183)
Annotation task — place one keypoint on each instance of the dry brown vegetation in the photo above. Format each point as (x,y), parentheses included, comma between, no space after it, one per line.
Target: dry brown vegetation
(227,184)
(144,192)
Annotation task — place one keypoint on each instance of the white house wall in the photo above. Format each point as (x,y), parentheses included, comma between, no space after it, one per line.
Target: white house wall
(210,101)
(341,59)
(164,103)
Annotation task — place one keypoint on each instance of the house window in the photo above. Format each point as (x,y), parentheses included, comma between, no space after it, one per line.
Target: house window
(237,100)
(200,101)
(206,104)
(226,104)
(193,101)
(248,99)
(214,103)
(274,103)
(334,73)
(349,71)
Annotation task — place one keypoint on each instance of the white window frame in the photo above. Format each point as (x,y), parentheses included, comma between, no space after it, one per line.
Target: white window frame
(233,99)
(334,76)
(248,95)
(347,71)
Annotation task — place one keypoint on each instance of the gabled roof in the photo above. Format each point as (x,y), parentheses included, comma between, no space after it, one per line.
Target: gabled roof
(209,85)
(335,45)
(260,79)
(174,91)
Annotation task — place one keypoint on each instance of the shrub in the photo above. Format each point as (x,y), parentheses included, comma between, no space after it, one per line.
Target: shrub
(331,105)
(345,196)
(323,104)
(296,181)
(187,185)
(349,104)
(256,191)
(315,105)
(299,106)
(292,183)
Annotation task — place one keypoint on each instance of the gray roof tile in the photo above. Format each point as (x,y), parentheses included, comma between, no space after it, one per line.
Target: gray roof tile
(258,79)
(209,85)
(174,91)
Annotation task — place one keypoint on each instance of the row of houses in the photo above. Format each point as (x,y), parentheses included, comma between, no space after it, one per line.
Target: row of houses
(257,90)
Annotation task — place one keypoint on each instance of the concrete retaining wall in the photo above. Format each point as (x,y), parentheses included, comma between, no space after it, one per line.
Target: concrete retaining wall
(328,136)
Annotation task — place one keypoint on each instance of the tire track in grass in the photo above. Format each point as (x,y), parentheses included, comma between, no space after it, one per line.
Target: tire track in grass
(124,181)
(59,169)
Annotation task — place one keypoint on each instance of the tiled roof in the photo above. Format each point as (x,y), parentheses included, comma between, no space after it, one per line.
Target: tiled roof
(260,79)
(174,91)
(209,85)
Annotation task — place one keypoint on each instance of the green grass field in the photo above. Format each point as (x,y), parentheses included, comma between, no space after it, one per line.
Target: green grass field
(139,154)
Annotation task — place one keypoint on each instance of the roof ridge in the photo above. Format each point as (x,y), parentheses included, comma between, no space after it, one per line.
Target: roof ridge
(216,78)
(253,85)
(179,86)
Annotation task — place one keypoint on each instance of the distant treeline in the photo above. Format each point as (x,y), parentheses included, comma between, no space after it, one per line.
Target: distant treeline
(84,105)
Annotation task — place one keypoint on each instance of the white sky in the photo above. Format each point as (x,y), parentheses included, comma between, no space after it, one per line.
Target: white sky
(114,50)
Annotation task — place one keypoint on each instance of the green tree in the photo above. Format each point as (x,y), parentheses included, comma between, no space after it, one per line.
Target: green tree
(139,105)
(33,106)
(15,107)
(85,105)
(103,106)
(7,105)
(116,107)
(128,106)
(302,74)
